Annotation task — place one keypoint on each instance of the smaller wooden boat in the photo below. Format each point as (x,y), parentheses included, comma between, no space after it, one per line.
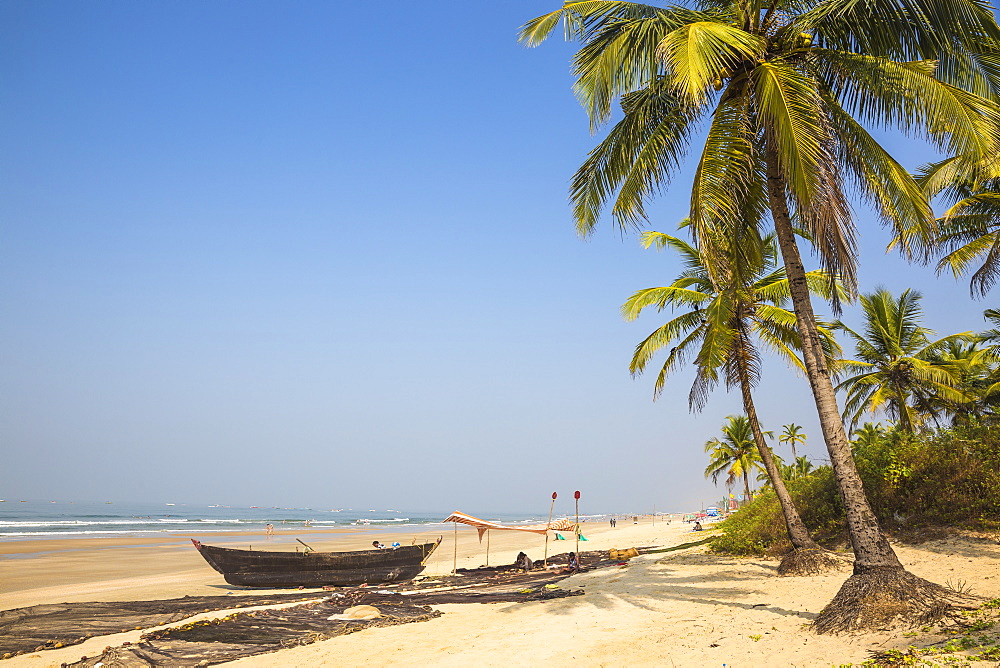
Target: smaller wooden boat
(255,568)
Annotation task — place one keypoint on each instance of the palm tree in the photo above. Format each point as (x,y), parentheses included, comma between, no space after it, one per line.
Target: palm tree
(868,434)
(717,328)
(734,455)
(992,336)
(792,434)
(973,365)
(969,231)
(799,468)
(899,368)
(785,88)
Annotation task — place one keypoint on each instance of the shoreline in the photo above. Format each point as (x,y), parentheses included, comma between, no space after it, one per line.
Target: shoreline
(150,567)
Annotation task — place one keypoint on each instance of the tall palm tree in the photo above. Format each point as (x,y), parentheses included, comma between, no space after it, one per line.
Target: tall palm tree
(792,434)
(734,455)
(785,88)
(899,368)
(718,327)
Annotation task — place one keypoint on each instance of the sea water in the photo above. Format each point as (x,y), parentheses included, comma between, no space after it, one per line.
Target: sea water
(21,520)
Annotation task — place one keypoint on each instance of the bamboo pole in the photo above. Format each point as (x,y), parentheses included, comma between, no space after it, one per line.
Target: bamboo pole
(454,553)
(576,495)
(545,559)
(487,548)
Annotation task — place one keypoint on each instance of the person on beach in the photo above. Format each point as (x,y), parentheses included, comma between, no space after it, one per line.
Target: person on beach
(574,564)
(697,526)
(523,562)
(377,545)
(269,530)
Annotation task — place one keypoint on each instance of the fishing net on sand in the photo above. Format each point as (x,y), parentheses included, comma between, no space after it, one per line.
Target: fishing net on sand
(247,633)
(243,634)
(56,625)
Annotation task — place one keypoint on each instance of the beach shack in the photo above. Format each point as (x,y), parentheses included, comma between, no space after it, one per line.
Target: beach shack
(485,526)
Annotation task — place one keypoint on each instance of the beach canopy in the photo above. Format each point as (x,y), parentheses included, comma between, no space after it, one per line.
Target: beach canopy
(482,526)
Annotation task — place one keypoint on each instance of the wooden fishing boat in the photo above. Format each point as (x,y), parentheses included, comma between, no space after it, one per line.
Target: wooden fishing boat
(256,568)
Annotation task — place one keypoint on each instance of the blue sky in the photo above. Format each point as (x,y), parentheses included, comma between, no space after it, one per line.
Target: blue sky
(320,254)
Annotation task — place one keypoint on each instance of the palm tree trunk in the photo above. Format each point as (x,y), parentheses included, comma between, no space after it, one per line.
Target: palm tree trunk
(797,532)
(881,591)
(746,484)
(904,414)
(871,548)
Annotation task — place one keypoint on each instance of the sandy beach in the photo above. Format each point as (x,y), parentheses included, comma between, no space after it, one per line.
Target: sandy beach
(682,608)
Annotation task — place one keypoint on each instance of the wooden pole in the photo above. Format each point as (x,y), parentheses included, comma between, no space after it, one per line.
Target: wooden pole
(576,495)
(545,559)
(487,548)
(454,557)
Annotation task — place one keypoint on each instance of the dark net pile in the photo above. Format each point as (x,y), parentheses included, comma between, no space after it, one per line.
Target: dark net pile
(245,634)
(242,634)
(60,624)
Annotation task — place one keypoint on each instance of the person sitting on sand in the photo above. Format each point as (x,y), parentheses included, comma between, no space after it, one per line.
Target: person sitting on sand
(377,545)
(697,526)
(523,562)
(574,563)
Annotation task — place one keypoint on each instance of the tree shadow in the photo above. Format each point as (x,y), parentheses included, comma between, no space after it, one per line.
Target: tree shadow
(648,585)
(982,548)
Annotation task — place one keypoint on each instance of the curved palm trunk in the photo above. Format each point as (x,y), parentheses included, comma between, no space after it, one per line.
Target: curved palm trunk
(746,485)
(797,531)
(871,548)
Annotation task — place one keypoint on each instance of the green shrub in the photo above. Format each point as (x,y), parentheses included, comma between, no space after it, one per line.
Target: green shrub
(759,528)
(945,478)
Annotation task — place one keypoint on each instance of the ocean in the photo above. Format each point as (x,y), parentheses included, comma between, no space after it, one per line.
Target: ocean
(21,520)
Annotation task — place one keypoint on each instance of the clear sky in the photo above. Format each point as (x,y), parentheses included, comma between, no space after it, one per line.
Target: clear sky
(320,253)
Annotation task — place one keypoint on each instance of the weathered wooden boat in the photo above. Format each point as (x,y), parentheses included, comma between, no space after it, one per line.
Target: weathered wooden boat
(256,568)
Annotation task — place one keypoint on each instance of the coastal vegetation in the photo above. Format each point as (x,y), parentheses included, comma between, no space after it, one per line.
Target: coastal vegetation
(921,486)
(788,92)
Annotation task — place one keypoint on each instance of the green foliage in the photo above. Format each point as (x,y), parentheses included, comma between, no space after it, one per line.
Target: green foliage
(735,454)
(951,477)
(899,367)
(947,478)
(759,529)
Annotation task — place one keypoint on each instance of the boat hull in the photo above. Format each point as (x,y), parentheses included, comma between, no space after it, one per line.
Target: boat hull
(255,568)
